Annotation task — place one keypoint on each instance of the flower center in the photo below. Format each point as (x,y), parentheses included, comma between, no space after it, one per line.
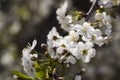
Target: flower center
(63,45)
(85,52)
(55,38)
(93,37)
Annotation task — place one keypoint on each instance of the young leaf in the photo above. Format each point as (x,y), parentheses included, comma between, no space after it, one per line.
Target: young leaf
(22,76)
(39,73)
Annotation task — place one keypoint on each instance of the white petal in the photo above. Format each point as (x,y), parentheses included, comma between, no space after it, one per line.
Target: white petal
(75,53)
(33,44)
(26,53)
(15,77)
(34,55)
(68,19)
(98,32)
(64,7)
(108,32)
(70,59)
(60,50)
(52,54)
(28,67)
(78,77)
(98,16)
(81,46)
(77,27)
(88,45)
(61,11)
(85,38)
(74,36)
(99,41)
(86,24)
(86,59)
(92,52)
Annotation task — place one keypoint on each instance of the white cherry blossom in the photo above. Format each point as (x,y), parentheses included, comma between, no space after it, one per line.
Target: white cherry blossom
(106,19)
(106,26)
(62,18)
(84,30)
(86,51)
(96,37)
(53,34)
(26,59)
(62,10)
(78,44)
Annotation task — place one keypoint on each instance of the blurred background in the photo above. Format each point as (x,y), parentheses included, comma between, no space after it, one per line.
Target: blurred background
(22,21)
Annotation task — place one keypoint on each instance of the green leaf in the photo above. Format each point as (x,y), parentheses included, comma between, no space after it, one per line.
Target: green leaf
(22,76)
(39,73)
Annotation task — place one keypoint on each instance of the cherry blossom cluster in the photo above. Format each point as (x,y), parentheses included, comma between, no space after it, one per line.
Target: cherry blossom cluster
(81,38)
(78,44)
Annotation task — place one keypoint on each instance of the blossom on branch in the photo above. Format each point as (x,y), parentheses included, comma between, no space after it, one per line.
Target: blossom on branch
(27,61)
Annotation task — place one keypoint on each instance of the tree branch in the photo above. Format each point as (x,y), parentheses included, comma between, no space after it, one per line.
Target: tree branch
(93,7)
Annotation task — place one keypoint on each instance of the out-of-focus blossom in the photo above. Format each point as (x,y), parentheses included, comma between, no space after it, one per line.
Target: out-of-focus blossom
(15,28)
(7,58)
(62,18)
(27,61)
(77,77)
(105,24)
(108,3)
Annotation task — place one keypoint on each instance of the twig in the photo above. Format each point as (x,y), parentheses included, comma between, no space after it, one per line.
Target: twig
(93,7)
